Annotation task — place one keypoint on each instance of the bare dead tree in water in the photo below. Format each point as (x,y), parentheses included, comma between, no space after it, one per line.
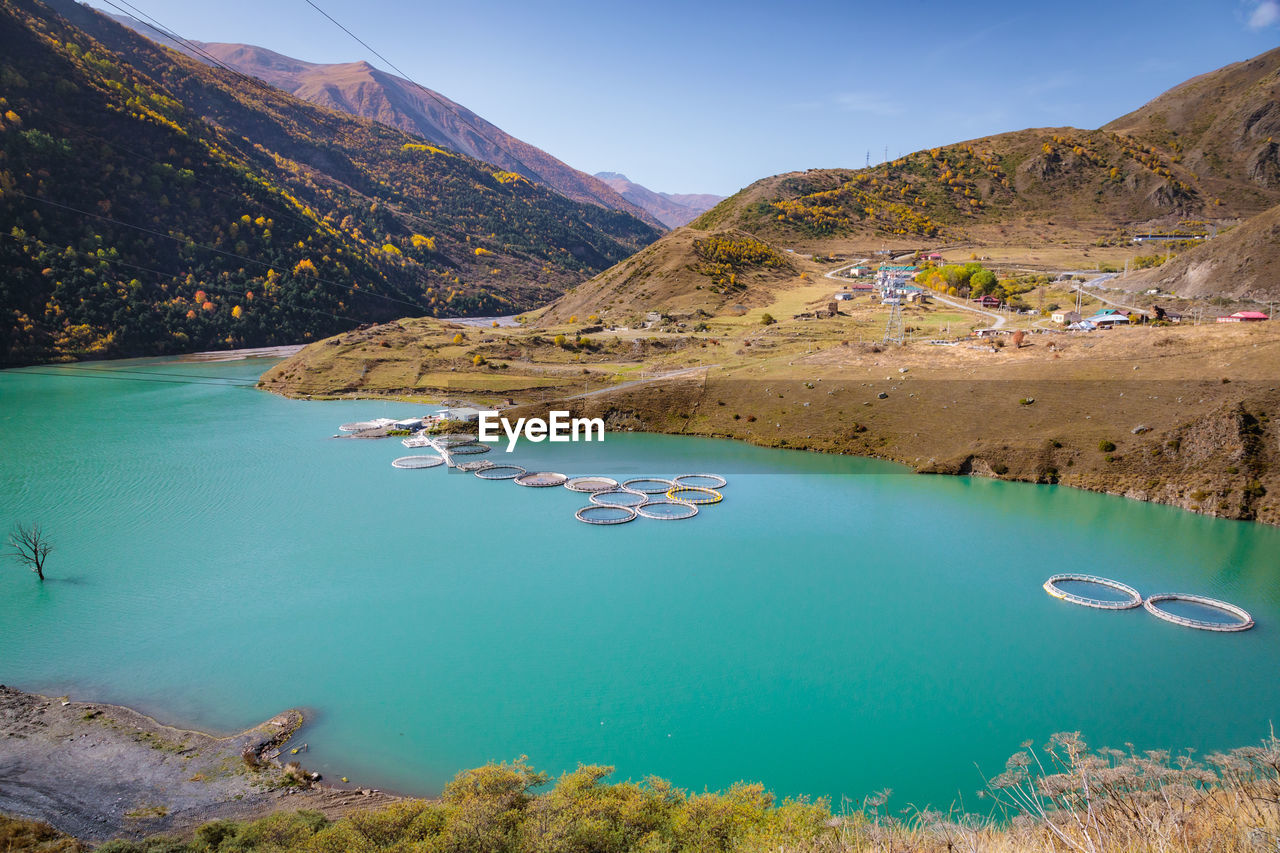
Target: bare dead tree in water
(30,547)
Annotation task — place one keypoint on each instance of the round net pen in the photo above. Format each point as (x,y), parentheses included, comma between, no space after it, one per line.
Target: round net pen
(500,472)
(1132,598)
(595,514)
(466,449)
(667,510)
(591,484)
(648,485)
(619,497)
(474,466)
(540,479)
(696,495)
(454,439)
(417,461)
(701,481)
(1243,621)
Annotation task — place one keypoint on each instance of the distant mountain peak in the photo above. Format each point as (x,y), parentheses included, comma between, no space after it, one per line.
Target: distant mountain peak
(672,210)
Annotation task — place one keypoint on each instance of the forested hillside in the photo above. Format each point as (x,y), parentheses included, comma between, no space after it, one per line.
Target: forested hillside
(151,204)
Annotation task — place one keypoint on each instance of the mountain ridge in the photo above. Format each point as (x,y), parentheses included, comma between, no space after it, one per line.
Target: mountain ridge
(154,204)
(362,89)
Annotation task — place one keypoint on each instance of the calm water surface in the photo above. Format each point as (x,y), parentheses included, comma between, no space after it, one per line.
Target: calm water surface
(834,627)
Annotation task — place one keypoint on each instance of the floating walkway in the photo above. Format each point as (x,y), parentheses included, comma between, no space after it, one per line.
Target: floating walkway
(1243,620)
(1132,598)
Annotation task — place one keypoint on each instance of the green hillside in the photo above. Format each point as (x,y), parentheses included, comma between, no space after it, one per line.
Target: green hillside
(151,204)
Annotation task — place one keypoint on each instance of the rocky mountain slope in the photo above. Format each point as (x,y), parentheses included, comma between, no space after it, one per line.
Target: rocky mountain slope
(360,89)
(154,204)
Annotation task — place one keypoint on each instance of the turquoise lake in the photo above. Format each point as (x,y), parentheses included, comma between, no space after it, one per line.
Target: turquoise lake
(835,627)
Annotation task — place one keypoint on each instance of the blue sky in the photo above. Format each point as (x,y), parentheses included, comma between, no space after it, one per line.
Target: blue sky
(710,96)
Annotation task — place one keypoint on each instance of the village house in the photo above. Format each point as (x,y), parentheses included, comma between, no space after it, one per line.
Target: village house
(1066,317)
(1243,317)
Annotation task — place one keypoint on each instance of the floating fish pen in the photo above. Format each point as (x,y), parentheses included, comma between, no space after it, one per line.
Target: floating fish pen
(1243,621)
(619,497)
(418,440)
(422,461)
(1132,598)
(475,466)
(500,472)
(454,439)
(467,449)
(591,484)
(648,485)
(596,514)
(667,510)
(701,481)
(540,479)
(696,495)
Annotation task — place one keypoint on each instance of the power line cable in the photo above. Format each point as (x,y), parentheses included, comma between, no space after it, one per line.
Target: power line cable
(435,97)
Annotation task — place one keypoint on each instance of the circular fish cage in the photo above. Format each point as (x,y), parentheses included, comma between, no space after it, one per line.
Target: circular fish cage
(591,484)
(466,449)
(1132,597)
(421,461)
(500,472)
(454,439)
(619,497)
(648,485)
(696,495)
(701,481)
(596,514)
(1243,620)
(667,510)
(540,479)
(474,466)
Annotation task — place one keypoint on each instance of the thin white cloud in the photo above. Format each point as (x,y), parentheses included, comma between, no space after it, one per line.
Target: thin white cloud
(867,102)
(1265,14)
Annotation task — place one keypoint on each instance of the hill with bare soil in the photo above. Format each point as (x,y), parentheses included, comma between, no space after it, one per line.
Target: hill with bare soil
(688,272)
(1243,263)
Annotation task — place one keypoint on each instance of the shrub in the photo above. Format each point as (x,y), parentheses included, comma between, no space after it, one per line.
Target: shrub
(767,320)
(1106,445)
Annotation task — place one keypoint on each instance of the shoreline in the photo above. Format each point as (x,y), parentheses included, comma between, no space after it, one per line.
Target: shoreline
(98,771)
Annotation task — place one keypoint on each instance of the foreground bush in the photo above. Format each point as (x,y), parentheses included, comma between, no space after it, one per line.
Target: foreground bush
(1061,798)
